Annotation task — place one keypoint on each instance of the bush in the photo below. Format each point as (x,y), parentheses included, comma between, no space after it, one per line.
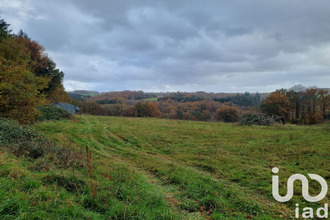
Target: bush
(227,114)
(25,142)
(50,112)
(314,118)
(256,119)
(11,132)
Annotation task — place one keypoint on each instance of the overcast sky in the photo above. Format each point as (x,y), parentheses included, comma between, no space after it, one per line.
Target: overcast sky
(188,45)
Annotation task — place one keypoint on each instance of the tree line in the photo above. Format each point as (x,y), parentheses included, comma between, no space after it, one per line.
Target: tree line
(297,105)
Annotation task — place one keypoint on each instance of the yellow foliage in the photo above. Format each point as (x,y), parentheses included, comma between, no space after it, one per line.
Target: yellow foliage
(59,95)
(276,104)
(19,88)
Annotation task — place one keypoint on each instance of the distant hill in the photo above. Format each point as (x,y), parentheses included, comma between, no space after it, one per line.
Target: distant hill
(86,92)
(119,97)
(83,94)
(77,96)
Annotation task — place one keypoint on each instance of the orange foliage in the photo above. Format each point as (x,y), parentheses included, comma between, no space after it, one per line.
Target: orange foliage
(227,114)
(276,104)
(19,88)
(59,95)
(152,110)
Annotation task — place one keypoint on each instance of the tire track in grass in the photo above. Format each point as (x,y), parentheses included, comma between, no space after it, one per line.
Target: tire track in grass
(102,150)
(145,156)
(168,192)
(229,185)
(132,153)
(141,153)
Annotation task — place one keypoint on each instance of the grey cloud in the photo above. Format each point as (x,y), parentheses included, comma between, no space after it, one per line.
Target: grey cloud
(181,45)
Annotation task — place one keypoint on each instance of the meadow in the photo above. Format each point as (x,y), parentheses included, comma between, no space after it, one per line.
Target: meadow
(147,168)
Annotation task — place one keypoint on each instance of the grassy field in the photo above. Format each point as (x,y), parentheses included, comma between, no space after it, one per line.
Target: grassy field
(151,99)
(147,168)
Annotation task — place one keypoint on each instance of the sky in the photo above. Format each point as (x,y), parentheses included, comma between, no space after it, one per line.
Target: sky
(188,45)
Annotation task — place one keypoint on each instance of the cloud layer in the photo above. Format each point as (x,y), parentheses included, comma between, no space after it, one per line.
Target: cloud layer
(219,46)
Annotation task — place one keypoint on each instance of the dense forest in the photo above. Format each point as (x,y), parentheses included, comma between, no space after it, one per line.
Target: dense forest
(179,105)
(298,104)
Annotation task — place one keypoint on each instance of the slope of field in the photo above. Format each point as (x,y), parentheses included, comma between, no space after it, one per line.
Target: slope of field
(185,170)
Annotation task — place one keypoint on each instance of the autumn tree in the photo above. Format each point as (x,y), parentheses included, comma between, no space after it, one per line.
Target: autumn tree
(152,110)
(93,108)
(312,107)
(114,109)
(19,87)
(227,114)
(59,95)
(140,110)
(129,111)
(27,76)
(296,95)
(307,105)
(147,109)
(324,98)
(276,104)
(168,108)
(42,66)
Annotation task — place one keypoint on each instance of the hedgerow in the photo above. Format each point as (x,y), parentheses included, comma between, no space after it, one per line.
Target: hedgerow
(256,119)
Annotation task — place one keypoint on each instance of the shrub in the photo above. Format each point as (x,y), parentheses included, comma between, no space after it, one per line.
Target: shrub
(314,118)
(32,149)
(11,132)
(256,119)
(50,112)
(25,142)
(227,114)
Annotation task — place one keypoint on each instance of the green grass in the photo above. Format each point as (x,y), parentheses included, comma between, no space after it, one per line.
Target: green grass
(149,168)
(152,99)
